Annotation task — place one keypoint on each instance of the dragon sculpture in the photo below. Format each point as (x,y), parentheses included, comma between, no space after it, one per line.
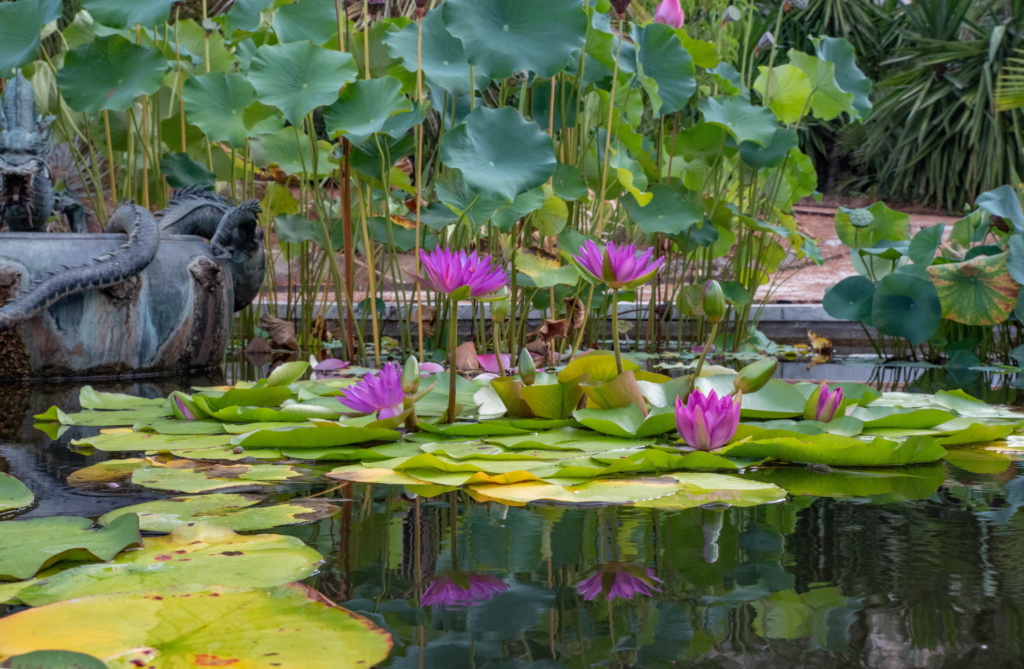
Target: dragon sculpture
(232,260)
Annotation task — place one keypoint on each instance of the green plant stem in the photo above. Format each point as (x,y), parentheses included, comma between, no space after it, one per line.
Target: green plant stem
(615,330)
(453,328)
(495,327)
(700,361)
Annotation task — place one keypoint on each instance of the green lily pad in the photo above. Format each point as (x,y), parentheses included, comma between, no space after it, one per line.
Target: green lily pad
(151,441)
(291,625)
(876,416)
(199,555)
(777,399)
(628,421)
(291,413)
(234,511)
(597,366)
(499,152)
(109,73)
(568,439)
(204,478)
(502,37)
(322,436)
(837,451)
(111,471)
(13,494)
(918,482)
(299,76)
(553,400)
(481,429)
(29,546)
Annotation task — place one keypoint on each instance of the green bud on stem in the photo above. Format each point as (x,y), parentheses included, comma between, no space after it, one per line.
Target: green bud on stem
(527,370)
(714,302)
(754,376)
(411,376)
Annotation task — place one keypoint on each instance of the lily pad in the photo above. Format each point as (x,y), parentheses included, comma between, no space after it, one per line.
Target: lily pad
(13,494)
(53,659)
(28,546)
(838,451)
(199,555)
(237,512)
(151,441)
(196,477)
(628,421)
(291,625)
(322,436)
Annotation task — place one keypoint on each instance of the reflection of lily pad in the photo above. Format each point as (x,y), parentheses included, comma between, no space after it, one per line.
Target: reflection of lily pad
(13,493)
(905,483)
(291,625)
(234,511)
(199,555)
(27,546)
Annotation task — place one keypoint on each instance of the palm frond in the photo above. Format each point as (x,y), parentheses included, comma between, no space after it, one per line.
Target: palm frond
(1010,88)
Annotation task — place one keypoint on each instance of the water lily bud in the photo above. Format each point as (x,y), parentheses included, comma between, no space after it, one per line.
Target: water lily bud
(411,376)
(714,302)
(500,308)
(527,370)
(823,404)
(753,377)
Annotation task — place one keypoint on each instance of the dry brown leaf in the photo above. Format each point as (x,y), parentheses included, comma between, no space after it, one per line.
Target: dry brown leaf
(552,329)
(575,313)
(429,317)
(465,357)
(282,332)
(258,346)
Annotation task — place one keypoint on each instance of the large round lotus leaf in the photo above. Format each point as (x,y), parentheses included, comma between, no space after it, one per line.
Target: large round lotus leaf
(364,108)
(839,451)
(502,37)
(109,73)
(744,121)
(20,24)
(181,170)
(865,228)
(197,555)
(216,102)
(27,546)
(786,90)
(976,292)
(121,14)
(667,212)
(443,58)
(289,626)
(307,21)
(499,152)
(13,493)
(234,511)
(906,306)
(664,60)
(300,76)
(291,151)
(53,659)
(850,299)
(848,77)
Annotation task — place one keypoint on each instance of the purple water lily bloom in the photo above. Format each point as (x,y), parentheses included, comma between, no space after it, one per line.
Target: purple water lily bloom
(377,391)
(707,422)
(828,403)
(620,266)
(447,271)
(670,13)
(619,579)
(461,589)
(489,362)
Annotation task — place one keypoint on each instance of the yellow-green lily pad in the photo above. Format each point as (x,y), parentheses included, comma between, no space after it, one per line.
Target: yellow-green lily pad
(13,494)
(29,546)
(235,511)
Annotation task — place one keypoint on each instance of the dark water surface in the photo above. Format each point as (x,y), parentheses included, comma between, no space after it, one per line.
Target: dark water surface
(930,574)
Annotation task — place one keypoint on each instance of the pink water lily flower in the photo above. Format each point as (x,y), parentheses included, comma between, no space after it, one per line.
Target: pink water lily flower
(461,589)
(489,362)
(447,271)
(827,405)
(376,392)
(620,266)
(670,13)
(619,579)
(707,422)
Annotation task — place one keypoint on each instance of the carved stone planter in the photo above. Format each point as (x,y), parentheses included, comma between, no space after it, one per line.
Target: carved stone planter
(173,317)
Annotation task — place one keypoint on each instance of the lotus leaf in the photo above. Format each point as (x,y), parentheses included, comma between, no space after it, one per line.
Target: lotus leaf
(13,494)
(364,107)
(299,76)
(979,291)
(290,625)
(216,103)
(118,14)
(744,121)
(195,556)
(20,25)
(109,73)
(237,512)
(28,546)
(442,56)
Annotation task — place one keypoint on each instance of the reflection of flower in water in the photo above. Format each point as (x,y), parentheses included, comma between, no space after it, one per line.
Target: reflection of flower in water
(461,589)
(619,579)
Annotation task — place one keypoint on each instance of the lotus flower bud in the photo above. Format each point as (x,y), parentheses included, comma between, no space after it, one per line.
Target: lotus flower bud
(500,308)
(411,376)
(527,370)
(620,7)
(823,404)
(754,376)
(714,302)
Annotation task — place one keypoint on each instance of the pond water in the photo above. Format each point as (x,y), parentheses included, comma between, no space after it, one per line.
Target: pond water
(925,573)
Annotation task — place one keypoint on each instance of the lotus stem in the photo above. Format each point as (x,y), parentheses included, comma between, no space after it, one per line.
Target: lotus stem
(615,330)
(700,361)
(453,327)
